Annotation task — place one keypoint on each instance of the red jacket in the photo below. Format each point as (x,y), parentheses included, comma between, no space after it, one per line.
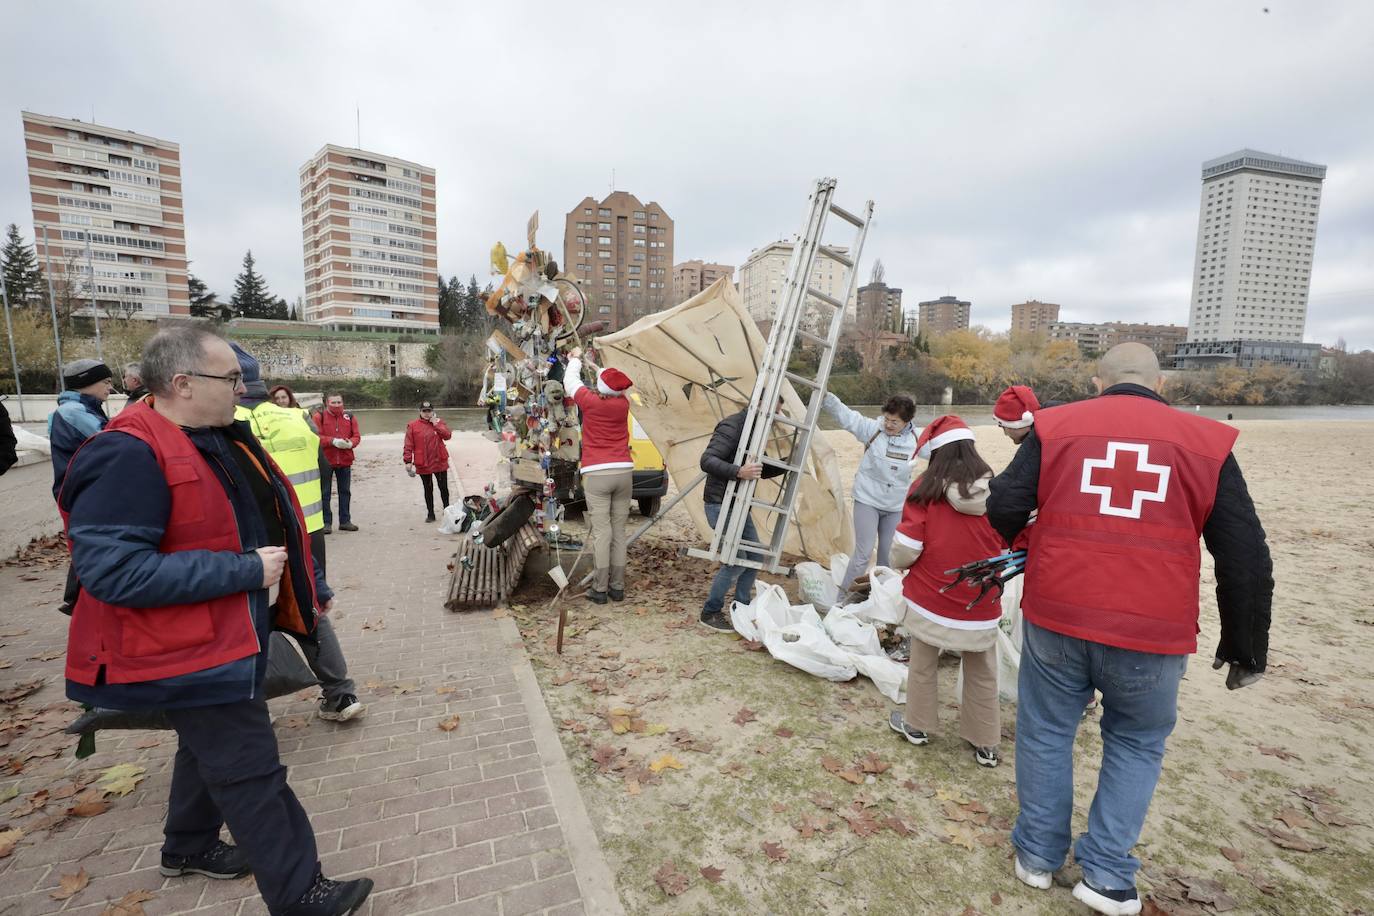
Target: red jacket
(1126,486)
(605,431)
(138,644)
(341,425)
(947,538)
(424,446)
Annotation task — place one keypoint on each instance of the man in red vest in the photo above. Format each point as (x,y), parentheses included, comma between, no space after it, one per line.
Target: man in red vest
(190,546)
(1123,485)
(340,435)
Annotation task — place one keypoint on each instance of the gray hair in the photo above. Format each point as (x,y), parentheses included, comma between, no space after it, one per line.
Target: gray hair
(133,369)
(173,351)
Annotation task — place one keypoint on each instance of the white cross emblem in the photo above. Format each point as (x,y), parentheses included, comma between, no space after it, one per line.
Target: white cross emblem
(1137,481)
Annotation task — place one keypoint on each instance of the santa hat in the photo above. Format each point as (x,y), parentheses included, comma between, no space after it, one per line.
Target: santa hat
(1016,407)
(941,431)
(612,381)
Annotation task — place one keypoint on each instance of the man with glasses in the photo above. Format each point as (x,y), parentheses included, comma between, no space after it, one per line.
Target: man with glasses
(340,434)
(191,547)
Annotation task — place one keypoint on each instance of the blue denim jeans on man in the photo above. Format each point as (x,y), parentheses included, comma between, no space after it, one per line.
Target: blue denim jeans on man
(1139,708)
(742,577)
(345,478)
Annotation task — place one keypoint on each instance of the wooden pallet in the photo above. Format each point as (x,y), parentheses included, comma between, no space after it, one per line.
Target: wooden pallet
(484,577)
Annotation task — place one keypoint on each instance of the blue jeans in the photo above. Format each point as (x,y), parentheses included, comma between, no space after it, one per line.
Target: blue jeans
(742,577)
(345,476)
(1139,708)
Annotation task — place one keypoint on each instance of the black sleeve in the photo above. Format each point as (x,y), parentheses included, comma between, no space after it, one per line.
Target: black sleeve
(1244,571)
(9,454)
(718,458)
(1014,493)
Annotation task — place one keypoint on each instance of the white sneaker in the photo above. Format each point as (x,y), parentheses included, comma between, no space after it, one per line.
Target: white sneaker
(1110,903)
(1033,877)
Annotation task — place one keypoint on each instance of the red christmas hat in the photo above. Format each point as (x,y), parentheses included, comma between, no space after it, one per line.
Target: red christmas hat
(941,431)
(1016,407)
(612,381)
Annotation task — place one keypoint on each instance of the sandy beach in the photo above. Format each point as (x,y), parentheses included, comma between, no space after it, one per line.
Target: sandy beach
(1264,790)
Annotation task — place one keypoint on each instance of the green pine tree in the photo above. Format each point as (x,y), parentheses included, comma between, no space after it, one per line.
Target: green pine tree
(251,298)
(23,277)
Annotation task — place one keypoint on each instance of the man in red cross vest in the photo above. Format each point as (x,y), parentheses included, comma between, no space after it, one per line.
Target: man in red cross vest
(1123,486)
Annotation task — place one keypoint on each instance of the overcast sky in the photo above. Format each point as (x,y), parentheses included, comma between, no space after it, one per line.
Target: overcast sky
(1027,150)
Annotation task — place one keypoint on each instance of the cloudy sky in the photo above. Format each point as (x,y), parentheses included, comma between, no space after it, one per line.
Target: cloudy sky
(1035,149)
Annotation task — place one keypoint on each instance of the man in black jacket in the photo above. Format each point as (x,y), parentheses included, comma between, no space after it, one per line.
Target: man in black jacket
(1126,640)
(718,461)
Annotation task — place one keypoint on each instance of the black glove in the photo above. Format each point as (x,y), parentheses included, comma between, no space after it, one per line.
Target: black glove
(1238,675)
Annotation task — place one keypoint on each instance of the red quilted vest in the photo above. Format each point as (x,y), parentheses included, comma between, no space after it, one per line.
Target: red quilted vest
(146,644)
(1126,486)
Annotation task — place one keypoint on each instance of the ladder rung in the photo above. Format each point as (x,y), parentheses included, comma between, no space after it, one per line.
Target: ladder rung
(767,507)
(828,300)
(834,255)
(814,338)
(786,421)
(775,463)
(801,380)
(845,215)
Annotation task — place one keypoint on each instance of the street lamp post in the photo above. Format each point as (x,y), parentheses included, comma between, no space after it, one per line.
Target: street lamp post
(14,359)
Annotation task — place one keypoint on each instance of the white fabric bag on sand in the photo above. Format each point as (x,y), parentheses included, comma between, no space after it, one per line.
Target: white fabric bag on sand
(849,632)
(888,676)
(839,562)
(816,584)
(885,603)
(791,633)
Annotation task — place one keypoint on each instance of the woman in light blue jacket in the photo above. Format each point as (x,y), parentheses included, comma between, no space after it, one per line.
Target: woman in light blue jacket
(884,476)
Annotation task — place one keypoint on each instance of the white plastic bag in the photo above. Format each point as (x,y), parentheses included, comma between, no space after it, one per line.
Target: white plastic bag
(770,603)
(815,584)
(849,632)
(453,519)
(888,676)
(839,563)
(804,645)
(888,604)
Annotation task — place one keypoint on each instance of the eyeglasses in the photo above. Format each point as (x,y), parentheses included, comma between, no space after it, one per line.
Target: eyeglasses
(234,379)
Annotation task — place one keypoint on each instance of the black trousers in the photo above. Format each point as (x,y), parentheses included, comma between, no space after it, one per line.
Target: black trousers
(227,771)
(429,480)
(317,550)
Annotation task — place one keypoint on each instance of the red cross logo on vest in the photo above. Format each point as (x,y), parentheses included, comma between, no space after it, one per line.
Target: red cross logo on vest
(1125,480)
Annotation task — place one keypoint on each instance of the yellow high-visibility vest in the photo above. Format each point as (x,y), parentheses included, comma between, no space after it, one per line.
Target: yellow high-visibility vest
(287,437)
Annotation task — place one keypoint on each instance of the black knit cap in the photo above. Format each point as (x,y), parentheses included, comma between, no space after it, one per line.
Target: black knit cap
(82,372)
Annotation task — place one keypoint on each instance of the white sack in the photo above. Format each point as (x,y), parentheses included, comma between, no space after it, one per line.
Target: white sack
(453,519)
(849,632)
(886,593)
(888,676)
(815,584)
(804,645)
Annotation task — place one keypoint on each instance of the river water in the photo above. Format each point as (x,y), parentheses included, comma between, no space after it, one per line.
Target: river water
(471,419)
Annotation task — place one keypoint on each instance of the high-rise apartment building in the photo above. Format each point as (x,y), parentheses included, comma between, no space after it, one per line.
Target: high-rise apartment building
(879,307)
(108,200)
(1095,339)
(1033,317)
(691,277)
(1257,223)
(371,248)
(621,252)
(764,274)
(940,316)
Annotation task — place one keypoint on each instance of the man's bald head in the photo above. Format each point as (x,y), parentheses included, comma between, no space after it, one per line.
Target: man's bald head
(1132,363)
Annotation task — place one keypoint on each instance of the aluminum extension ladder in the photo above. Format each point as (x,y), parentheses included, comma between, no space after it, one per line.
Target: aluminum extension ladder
(729,545)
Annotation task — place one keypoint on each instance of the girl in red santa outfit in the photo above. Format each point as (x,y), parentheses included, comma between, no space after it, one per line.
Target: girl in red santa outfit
(944,525)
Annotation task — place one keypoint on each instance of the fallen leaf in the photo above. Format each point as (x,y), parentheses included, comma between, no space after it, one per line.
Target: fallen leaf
(960,834)
(1286,839)
(121,779)
(131,904)
(1293,819)
(783,732)
(1233,775)
(19,691)
(500,612)
(48,656)
(399,689)
(7,793)
(897,825)
(775,851)
(810,825)
(563,678)
(996,899)
(70,885)
(752,645)
(31,804)
(293,721)
(871,764)
(89,808)
(450,723)
(632,786)
(745,715)
(733,768)
(1329,816)
(861,822)
(711,873)
(1234,855)
(150,741)
(445,690)
(671,881)
(1278,752)
(666,762)
(656,728)
(9,839)
(823,801)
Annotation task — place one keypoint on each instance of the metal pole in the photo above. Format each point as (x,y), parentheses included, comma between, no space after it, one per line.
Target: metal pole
(95,310)
(52,304)
(14,360)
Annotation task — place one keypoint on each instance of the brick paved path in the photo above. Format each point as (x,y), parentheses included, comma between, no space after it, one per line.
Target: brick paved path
(484,819)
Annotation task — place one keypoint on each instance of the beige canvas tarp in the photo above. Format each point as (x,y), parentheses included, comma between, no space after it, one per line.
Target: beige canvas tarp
(695,364)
